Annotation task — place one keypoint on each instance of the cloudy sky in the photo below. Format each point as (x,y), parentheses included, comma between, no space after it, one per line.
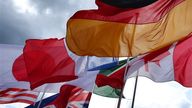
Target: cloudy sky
(24,19)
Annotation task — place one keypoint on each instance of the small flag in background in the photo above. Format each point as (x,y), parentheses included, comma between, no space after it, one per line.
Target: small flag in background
(13,95)
(69,97)
(113,77)
(110,79)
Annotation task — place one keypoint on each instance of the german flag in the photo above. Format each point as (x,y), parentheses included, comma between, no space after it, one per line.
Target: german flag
(121,29)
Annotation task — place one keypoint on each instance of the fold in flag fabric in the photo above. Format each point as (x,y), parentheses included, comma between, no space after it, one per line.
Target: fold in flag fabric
(118,32)
(168,64)
(69,97)
(12,95)
(44,62)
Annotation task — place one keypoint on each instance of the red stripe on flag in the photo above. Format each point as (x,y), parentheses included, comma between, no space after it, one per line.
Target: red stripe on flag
(155,12)
(17,95)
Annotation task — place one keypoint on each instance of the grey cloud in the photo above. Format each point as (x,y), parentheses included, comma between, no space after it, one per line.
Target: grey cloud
(63,5)
(11,24)
(58,5)
(16,27)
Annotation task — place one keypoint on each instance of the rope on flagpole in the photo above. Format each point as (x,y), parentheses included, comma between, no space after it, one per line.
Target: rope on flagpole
(121,94)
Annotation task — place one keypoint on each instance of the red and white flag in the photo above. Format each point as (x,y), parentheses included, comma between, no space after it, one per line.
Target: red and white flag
(45,65)
(12,95)
(169,64)
(46,61)
(71,97)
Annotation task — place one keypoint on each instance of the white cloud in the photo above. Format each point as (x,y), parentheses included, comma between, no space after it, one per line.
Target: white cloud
(25,7)
(48,11)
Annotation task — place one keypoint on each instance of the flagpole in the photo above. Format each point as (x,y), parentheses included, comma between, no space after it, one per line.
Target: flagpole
(36,99)
(119,102)
(120,97)
(135,90)
(41,99)
(87,65)
(121,94)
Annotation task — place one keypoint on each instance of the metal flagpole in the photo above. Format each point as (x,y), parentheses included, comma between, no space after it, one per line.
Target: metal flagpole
(120,97)
(41,98)
(121,94)
(87,64)
(125,79)
(135,90)
(134,93)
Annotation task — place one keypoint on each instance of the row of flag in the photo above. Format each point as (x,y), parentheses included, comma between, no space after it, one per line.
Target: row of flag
(15,73)
(159,42)
(168,64)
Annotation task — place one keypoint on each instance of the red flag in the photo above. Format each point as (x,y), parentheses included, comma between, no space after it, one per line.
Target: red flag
(44,61)
(182,60)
